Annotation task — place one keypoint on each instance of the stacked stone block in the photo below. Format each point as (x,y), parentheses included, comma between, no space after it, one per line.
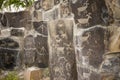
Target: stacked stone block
(67,35)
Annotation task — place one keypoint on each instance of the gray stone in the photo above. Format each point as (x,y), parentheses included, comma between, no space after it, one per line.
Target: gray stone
(90,48)
(17,32)
(8,58)
(29,42)
(88,10)
(42,56)
(17,19)
(110,67)
(41,27)
(8,43)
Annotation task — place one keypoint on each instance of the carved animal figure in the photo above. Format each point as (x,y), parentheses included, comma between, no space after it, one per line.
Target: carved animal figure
(81,9)
(84,20)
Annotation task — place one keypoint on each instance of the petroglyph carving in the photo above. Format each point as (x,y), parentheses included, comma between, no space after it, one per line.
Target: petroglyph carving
(83,8)
(85,20)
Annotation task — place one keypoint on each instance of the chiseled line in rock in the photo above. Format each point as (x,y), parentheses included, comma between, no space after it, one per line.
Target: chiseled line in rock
(42,35)
(39,53)
(90,67)
(9,48)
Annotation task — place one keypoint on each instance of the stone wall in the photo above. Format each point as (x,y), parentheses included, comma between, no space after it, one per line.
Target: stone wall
(79,39)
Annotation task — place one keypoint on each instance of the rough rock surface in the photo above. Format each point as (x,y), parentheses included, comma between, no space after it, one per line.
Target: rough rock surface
(61,50)
(68,35)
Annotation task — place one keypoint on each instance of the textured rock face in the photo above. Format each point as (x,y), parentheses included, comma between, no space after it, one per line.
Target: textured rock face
(17,32)
(110,68)
(8,53)
(87,12)
(62,55)
(92,42)
(24,38)
(81,33)
(90,48)
(42,56)
(17,19)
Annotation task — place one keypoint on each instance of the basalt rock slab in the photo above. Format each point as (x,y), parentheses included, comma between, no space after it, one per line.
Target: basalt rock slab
(42,56)
(113,8)
(47,4)
(17,32)
(8,43)
(61,55)
(41,27)
(41,44)
(88,12)
(17,19)
(90,48)
(8,58)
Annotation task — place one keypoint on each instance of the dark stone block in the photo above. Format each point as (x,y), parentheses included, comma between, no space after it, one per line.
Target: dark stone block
(84,8)
(94,46)
(17,32)
(41,27)
(8,58)
(90,48)
(41,45)
(8,43)
(17,19)
(42,61)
